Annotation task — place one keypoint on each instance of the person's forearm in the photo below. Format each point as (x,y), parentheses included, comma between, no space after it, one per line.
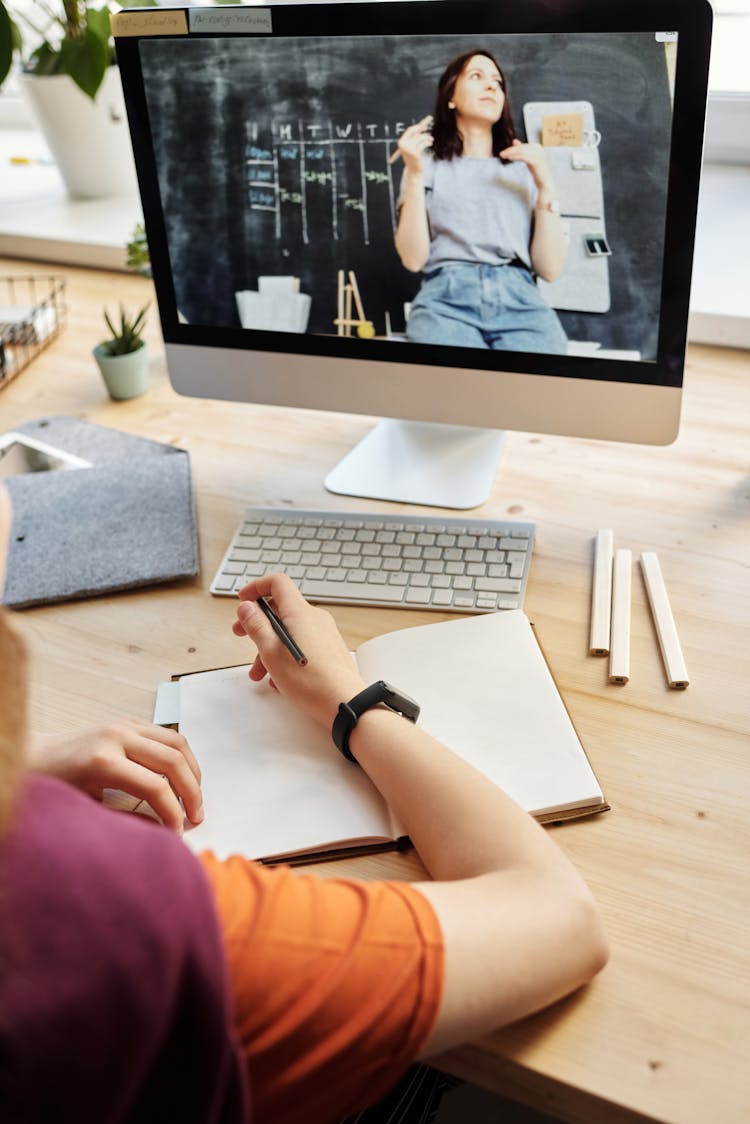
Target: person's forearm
(548,246)
(520,926)
(461,823)
(413,232)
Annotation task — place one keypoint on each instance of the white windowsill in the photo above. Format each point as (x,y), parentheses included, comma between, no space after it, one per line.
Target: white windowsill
(39,221)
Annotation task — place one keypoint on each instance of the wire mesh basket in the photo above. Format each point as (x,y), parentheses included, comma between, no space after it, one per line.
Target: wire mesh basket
(32,313)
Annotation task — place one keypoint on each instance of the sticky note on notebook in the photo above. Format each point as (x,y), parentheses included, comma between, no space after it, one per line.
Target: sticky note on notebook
(563,129)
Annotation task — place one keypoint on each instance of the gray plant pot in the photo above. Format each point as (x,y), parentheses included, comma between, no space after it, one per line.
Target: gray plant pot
(126,376)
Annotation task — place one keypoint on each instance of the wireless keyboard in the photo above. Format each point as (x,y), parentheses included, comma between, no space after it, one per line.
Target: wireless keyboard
(413,561)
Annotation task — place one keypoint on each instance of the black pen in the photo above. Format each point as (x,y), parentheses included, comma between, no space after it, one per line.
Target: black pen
(279,628)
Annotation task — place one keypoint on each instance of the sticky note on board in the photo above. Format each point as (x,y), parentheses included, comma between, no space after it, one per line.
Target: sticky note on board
(563,129)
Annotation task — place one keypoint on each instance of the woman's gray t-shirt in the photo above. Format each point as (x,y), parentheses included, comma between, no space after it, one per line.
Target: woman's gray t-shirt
(479,210)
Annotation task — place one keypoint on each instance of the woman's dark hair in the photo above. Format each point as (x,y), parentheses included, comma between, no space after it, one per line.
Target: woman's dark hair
(446,139)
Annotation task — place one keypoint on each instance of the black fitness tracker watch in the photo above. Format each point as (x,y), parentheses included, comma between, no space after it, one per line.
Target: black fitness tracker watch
(350,713)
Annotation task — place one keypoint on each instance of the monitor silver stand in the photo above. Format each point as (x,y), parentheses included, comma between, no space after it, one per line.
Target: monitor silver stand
(421,463)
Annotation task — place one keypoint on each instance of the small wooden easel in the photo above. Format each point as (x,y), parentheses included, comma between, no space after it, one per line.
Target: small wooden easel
(348,292)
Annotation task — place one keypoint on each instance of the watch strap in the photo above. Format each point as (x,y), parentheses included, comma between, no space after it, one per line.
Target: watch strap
(350,712)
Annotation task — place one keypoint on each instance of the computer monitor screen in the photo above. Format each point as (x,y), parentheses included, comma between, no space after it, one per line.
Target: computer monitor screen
(450,211)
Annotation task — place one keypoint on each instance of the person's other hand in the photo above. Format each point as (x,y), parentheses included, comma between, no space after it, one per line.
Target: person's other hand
(413,142)
(532,155)
(330,676)
(150,762)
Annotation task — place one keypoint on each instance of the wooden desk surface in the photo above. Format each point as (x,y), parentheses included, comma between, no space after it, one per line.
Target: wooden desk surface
(664,1032)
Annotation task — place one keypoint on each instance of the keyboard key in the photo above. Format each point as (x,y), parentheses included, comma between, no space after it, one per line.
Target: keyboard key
(418,596)
(225,583)
(497,585)
(321,591)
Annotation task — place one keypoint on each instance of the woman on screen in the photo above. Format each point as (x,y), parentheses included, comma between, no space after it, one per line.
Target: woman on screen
(478,215)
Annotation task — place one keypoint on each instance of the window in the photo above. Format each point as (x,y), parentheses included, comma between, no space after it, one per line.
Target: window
(730,49)
(728,115)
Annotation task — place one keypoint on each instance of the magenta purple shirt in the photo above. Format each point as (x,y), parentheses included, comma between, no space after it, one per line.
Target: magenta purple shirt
(114,997)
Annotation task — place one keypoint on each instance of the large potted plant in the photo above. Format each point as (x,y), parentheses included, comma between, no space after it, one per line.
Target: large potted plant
(73,85)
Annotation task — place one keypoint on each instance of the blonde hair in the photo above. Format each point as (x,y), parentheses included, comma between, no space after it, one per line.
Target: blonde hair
(13,702)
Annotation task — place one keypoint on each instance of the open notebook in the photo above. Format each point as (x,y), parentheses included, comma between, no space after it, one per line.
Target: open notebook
(275,788)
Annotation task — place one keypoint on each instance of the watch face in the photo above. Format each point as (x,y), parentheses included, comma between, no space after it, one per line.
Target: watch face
(390,692)
(397,700)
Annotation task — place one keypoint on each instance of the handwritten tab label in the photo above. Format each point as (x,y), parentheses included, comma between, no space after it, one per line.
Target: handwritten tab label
(563,129)
(250,21)
(151,21)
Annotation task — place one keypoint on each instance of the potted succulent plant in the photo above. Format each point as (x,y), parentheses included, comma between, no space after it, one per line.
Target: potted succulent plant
(123,358)
(73,86)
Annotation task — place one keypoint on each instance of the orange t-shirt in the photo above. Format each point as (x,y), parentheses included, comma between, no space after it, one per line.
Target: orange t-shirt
(336,985)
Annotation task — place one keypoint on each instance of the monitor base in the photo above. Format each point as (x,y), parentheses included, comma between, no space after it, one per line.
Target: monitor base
(421,463)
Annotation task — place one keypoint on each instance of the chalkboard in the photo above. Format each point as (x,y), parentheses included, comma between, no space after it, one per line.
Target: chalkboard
(272,157)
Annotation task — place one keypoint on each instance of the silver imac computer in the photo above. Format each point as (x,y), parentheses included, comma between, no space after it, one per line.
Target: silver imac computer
(462,216)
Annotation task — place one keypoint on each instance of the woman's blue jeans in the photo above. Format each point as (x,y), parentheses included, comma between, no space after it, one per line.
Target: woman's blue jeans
(487,306)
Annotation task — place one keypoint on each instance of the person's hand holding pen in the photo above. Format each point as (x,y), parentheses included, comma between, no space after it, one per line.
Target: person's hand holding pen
(412,143)
(330,675)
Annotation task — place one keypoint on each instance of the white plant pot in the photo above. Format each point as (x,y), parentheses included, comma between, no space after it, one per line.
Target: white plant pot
(125,376)
(89,140)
